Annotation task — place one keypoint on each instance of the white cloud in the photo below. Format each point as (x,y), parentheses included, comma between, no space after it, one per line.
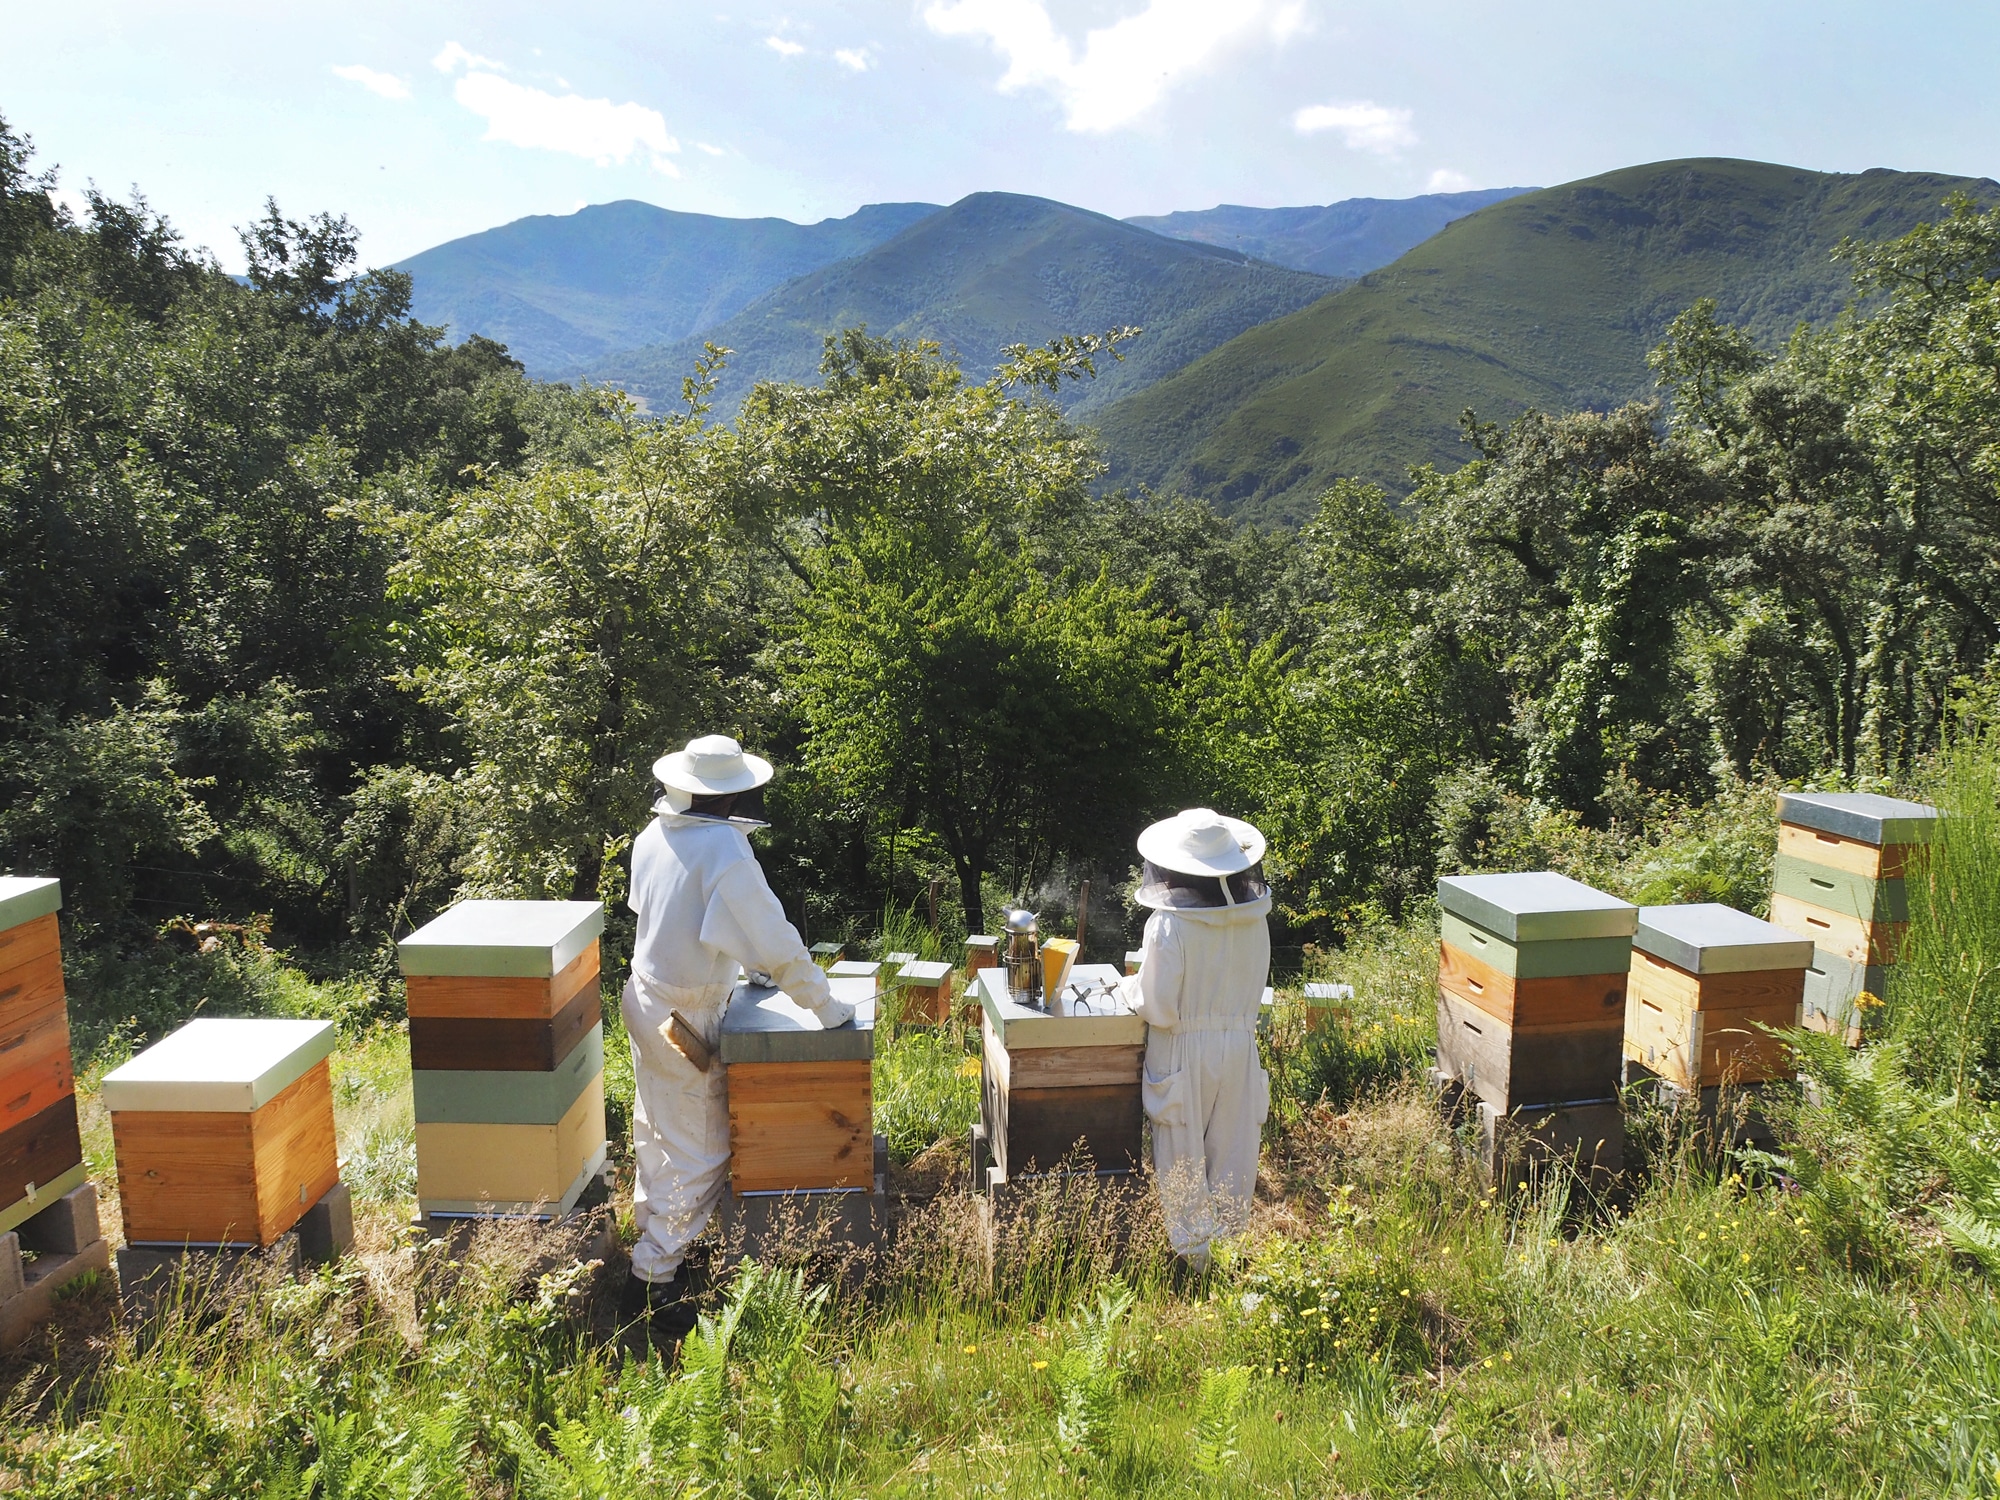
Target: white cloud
(388,85)
(595,129)
(852,57)
(1444,180)
(711,150)
(782,47)
(454,57)
(1363,125)
(1123,69)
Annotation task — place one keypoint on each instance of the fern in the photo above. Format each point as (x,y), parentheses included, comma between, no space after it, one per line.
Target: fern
(1085,1378)
(345,1468)
(1218,1416)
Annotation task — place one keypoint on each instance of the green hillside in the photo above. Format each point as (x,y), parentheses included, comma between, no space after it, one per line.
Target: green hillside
(1346,239)
(564,290)
(991,270)
(1548,300)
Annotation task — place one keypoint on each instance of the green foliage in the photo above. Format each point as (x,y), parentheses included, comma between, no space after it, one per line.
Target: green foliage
(1086,1375)
(1217,1420)
(926,1090)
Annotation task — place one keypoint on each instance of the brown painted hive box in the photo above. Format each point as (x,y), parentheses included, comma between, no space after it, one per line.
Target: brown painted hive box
(924,992)
(801,1097)
(224,1132)
(1059,1090)
(1532,977)
(498,986)
(41,1153)
(1709,984)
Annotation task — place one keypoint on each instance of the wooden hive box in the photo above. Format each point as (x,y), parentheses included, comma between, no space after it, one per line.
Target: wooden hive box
(982,951)
(1839,881)
(1064,1087)
(1706,980)
(828,953)
(925,992)
(506,1056)
(41,1152)
(801,1097)
(1327,1003)
(224,1132)
(1532,977)
(1134,959)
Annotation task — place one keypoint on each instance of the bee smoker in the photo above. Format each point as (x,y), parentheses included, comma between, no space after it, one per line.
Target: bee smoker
(1024,957)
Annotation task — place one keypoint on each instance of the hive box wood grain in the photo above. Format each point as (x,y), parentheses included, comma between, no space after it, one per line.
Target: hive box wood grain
(35,1068)
(40,1159)
(512,1170)
(1061,1089)
(801,1096)
(1871,900)
(503,940)
(1563,1000)
(1815,846)
(1707,982)
(1862,817)
(467,1096)
(926,992)
(455,997)
(1536,907)
(1510,1066)
(1844,936)
(223,1132)
(504,1044)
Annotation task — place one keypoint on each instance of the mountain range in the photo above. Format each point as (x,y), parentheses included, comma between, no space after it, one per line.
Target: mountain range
(1345,239)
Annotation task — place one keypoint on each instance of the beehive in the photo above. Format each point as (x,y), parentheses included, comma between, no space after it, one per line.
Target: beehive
(1134,958)
(506,1056)
(1706,982)
(801,1099)
(223,1132)
(1532,977)
(1839,881)
(982,951)
(828,953)
(1327,1003)
(925,992)
(853,969)
(41,1154)
(1064,1088)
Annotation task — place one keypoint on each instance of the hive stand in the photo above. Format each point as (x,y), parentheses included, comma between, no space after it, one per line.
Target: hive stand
(926,990)
(1839,881)
(1532,977)
(224,1138)
(507,1065)
(803,1155)
(42,1254)
(1060,1088)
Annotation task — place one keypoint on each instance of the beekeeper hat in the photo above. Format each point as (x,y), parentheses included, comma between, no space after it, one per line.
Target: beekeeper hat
(712,766)
(1202,842)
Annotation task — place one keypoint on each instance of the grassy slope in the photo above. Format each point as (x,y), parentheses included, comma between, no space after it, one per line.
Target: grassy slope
(1548,300)
(991,270)
(562,290)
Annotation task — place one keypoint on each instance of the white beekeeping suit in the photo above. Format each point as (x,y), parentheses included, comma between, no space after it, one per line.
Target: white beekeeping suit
(1199,988)
(705,912)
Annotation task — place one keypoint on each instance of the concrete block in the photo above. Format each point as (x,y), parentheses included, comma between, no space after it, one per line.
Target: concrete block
(66,1227)
(12,1282)
(28,1291)
(327,1231)
(152,1276)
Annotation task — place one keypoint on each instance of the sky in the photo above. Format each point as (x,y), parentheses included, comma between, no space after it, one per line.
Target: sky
(425,122)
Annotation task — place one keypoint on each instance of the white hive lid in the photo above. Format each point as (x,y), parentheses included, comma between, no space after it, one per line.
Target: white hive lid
(854,968)
(924,972)
(1322,991)
(26,897)
(1864,816)
(503,939)
(1536,907)
(219,1066)
(1705,937)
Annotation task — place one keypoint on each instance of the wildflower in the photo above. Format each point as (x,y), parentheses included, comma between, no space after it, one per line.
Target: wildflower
(1488,1364)
(971,1348)
(969,1068)
(1251,1300)
(1506,1356)
(1041,1364)
(1703,1235)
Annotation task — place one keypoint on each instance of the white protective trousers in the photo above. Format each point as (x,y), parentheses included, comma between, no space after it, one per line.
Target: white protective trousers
(705,913)
(1199,991)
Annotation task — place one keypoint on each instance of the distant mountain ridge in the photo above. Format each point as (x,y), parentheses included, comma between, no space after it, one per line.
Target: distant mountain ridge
(1550,299)
(563,291)
(990,270)
(1345,239)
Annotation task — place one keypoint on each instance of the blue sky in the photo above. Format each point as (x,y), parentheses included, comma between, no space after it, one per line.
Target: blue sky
(424,122)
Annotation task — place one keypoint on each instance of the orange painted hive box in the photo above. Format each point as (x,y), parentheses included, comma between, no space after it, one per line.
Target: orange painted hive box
(41,1154)
(1709,985)
(801,1097)
(224,1132)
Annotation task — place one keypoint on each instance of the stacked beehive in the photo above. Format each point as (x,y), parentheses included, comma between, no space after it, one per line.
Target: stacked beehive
(41,1154)
(1532,976)
(507,1052)
(1061,1087)
(1839,882)
(1707,982)
(801,1097)
(223,1133)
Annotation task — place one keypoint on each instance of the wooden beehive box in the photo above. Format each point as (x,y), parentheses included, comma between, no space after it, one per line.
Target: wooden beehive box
(1532,977)
(224,1132)
(828,953)
(1706,980)
(1134,959)
(1327,1004)
(925,992)
(982,951)
(801,1097)
(506,1056)
(1839,881)
(1061,1088)
(41,1153)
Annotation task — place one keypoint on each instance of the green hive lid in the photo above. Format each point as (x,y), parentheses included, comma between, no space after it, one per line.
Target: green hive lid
(923,972)
(215,1066)
(765,1025)
(1706,937)
(1536,908)
(828,950)
(1860,815)
(26,897)
(503,939)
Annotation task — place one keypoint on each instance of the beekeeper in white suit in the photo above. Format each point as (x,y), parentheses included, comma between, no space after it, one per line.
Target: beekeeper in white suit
(705,914)
(1207,958)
